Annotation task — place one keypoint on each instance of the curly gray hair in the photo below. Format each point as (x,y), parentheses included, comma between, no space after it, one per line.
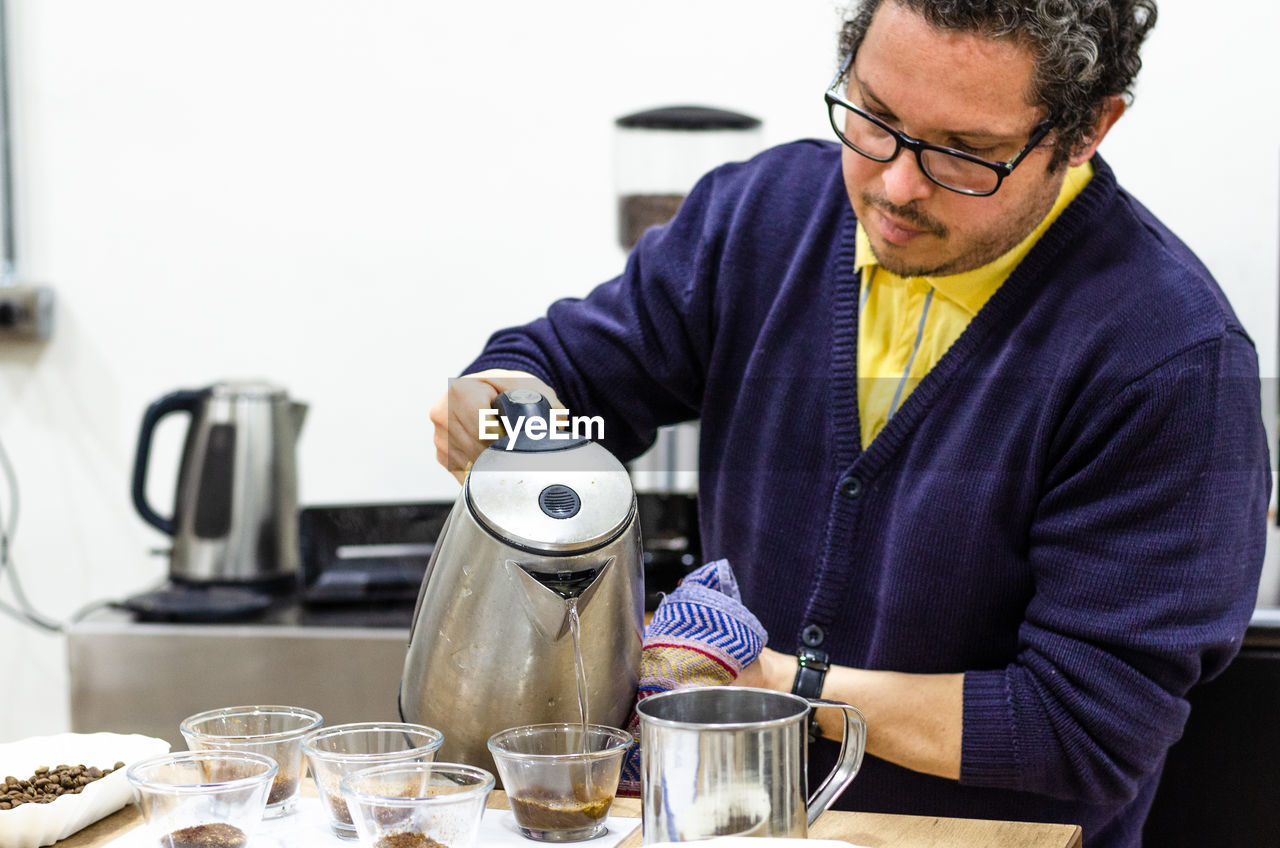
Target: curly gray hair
(1086,50)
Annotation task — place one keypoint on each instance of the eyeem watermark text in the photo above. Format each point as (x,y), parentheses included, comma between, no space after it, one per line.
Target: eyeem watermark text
(560,425)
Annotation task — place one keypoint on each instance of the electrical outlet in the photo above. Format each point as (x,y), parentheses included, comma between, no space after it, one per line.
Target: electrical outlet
(26,312)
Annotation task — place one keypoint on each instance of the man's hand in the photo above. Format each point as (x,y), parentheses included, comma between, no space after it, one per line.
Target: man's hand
(456,414)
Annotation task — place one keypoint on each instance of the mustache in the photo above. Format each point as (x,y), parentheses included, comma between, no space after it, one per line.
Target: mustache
(911,214)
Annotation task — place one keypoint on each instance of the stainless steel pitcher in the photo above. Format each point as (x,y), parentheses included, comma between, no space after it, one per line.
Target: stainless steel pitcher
(731,761)
(541,526)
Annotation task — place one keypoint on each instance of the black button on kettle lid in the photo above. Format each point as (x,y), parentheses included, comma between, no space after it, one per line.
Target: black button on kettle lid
(559,501)
(688,118)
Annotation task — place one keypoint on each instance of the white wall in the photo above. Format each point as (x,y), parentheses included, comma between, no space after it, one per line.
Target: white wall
(346,197)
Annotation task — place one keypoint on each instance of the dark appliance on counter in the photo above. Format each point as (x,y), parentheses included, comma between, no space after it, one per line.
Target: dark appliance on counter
(1221,782)
(366,553)
(378,553)
(672,545)
(233,524)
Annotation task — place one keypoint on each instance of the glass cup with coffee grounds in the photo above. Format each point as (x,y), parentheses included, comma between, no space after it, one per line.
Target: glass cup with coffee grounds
(560,780)
(335,752)
(202,799)
(417,805)
(274,731)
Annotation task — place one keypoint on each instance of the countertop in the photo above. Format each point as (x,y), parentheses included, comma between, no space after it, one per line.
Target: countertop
(289,613)
(870,829)
(133,677)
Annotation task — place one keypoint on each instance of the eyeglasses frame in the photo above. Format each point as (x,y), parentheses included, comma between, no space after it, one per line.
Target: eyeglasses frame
(918,146)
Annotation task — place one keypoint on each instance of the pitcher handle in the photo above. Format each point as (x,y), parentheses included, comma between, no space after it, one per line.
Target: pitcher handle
(852,746)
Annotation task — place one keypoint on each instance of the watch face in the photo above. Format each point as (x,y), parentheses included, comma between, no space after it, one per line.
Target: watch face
(810,672)
(812,658)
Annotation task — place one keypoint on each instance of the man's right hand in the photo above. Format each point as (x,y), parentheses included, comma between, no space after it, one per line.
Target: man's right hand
(456,414)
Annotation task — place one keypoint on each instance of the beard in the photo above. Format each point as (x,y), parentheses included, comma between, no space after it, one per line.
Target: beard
(968,250)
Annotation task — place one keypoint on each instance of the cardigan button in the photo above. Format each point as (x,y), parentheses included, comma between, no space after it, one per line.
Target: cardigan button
(812,635)
(851,487)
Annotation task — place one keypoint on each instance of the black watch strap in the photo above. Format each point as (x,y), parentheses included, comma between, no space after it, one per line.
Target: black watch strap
(810,672)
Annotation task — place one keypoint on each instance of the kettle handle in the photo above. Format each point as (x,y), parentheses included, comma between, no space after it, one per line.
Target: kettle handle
(183,400)
(852,746)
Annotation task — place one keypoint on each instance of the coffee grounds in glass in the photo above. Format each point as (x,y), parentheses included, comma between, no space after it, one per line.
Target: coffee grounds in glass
(408,839)
(217,835)
(545,811)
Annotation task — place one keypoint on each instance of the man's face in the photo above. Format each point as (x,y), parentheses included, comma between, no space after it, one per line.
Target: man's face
(959,90)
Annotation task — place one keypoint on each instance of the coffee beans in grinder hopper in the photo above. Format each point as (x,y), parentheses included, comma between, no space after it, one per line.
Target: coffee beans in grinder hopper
(49,784)
(661,153)
(639,212)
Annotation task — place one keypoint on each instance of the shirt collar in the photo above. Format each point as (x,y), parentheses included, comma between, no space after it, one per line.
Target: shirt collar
(971,289)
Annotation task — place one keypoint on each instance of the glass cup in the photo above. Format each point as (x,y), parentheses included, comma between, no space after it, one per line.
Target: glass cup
(271,730)
(559,782)
(202,797)
(335,752)
(417,805)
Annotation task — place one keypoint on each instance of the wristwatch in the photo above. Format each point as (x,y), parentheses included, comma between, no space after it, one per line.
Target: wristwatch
(811,670)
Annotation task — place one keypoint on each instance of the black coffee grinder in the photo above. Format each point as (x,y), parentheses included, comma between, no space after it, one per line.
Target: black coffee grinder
(660,154)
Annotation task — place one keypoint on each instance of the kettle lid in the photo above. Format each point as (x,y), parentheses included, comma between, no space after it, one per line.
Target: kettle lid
(246,389)
(554,502)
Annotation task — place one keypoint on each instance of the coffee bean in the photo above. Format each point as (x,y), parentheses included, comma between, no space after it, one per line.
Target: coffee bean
(47,784)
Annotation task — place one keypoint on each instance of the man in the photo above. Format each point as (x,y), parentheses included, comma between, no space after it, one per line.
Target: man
(977,430)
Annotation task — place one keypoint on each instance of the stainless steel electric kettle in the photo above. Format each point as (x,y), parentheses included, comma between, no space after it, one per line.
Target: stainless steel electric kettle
(235,505)
(541,526)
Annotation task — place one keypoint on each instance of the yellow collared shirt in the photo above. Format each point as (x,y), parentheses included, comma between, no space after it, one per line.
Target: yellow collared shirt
(906,324)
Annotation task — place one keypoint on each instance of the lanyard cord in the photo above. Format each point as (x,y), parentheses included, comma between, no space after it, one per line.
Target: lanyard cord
(915,349)
(924,315)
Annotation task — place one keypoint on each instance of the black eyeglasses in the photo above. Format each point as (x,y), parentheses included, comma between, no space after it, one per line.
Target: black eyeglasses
(952,169)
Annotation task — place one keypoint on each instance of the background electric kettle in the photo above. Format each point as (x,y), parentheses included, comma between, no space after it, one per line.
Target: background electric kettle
(234,517)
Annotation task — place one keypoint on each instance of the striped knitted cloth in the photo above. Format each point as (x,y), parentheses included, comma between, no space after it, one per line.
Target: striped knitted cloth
(700,635)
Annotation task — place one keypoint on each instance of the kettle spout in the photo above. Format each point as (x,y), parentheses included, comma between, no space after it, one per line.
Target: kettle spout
(297,415)
(546,604)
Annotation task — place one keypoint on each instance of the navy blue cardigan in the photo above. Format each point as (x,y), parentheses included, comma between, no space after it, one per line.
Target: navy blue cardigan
(1070,508)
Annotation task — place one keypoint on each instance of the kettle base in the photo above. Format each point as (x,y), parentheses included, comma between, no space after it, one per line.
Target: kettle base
(201,604)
